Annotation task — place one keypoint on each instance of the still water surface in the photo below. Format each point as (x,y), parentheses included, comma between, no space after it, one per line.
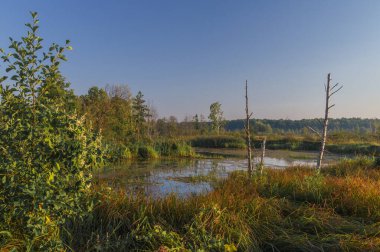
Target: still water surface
(184,177)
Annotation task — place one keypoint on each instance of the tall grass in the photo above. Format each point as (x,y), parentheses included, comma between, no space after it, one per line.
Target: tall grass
(173,148)
(161,148)
(218,141)
(283,210)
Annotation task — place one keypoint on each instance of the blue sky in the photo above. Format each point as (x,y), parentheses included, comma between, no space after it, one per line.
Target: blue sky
(184,55)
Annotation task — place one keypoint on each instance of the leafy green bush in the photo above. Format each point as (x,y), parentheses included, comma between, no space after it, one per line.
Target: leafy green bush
(46,153)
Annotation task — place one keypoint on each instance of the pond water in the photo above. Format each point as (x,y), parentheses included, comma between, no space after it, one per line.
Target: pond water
(158,178)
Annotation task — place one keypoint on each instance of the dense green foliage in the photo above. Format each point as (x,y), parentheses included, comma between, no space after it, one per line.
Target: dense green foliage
(128,125)
(109,111)
(282,210)
(46,152)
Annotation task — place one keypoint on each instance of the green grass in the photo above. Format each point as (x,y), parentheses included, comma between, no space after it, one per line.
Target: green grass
(337,143)
(218,141)
(162,148)
(173,148)
(283,210)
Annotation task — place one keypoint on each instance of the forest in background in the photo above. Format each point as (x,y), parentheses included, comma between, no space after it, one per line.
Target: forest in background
(115,109)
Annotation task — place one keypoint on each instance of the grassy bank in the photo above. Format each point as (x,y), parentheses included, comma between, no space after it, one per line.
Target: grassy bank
(218,141)
(284,210)
(291,142)
(164,148)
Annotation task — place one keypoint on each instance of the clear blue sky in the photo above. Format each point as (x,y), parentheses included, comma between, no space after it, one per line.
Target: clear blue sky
(184,55)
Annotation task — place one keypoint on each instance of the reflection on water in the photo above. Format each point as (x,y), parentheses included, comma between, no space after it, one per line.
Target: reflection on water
(162,177)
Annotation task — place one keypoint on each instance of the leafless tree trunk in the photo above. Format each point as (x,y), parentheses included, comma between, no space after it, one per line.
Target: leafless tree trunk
(330,91)
(262,155)
(247,131)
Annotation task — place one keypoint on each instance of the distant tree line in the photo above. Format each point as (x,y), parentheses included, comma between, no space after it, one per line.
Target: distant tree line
(300,126)
(125,118)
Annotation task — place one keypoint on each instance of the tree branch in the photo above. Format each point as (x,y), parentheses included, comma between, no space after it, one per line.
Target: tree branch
(331,106)
(313,130)
(335,91)
(334,86)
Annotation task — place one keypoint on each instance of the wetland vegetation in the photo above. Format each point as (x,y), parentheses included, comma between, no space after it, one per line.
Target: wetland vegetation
(285,209)
(101,172)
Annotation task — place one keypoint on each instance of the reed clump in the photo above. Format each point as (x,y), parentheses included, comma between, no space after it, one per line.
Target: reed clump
(161,148)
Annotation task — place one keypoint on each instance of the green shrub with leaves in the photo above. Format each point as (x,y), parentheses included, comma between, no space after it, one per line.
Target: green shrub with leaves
(46,152)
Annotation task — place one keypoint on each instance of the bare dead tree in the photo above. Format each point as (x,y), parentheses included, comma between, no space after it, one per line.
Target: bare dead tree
(330,91)
(262,155)
(247,131)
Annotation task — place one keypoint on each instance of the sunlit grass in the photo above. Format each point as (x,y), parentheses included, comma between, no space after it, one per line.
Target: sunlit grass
(292,210)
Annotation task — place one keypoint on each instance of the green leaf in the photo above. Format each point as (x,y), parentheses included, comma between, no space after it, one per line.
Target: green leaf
(34,14)
(9,69)
(35,28)
(51,177)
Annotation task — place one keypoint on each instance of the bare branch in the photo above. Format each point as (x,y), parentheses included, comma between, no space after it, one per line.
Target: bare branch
(325,124)
(334,86)
(331,106)
(316,132)
(247,131)
(335,91)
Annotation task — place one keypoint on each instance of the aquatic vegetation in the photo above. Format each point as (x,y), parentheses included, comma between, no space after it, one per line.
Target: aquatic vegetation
(173,148)
(146,152)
